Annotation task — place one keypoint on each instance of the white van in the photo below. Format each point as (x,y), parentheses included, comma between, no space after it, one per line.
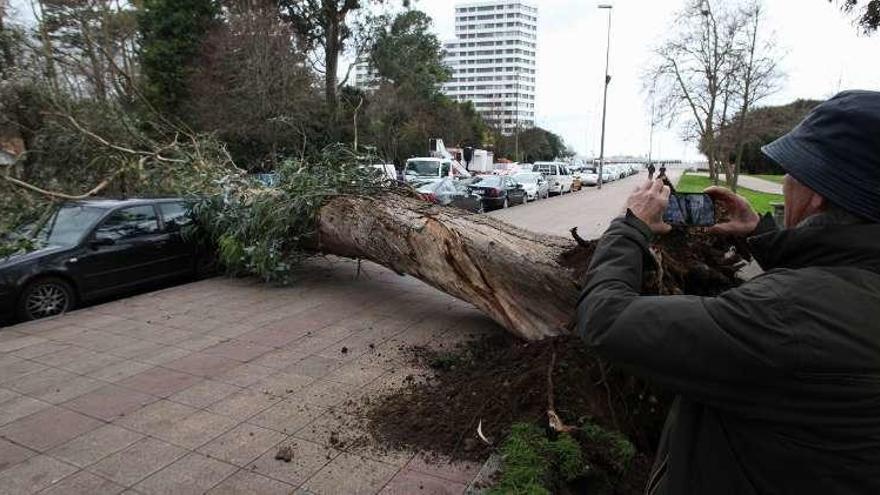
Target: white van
(558,176)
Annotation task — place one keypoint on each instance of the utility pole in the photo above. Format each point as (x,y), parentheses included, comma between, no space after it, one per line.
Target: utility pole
(605,99)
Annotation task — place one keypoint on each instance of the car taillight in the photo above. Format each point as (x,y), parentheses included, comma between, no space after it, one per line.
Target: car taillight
(430,197)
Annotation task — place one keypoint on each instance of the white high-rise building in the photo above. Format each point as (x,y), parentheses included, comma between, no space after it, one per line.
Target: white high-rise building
(493,60)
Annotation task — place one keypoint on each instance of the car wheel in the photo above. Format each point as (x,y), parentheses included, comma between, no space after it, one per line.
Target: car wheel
(45,297)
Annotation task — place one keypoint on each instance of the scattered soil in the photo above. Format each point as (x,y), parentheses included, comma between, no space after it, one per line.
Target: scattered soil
(501,380)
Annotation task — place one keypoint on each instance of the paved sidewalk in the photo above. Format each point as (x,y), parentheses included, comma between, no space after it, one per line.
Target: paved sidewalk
(194,389)
(753,183)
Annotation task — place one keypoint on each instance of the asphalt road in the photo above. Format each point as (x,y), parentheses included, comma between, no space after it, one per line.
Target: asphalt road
(590,210)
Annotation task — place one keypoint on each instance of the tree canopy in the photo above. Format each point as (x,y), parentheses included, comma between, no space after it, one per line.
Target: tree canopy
(171,33)
(408,55)
(867,13)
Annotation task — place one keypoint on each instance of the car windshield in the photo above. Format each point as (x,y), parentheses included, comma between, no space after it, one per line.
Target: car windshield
(526,178)
(68,224)
(426,168)
(487,181)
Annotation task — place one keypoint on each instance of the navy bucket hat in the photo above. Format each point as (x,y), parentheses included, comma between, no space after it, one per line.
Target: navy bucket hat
(835,151)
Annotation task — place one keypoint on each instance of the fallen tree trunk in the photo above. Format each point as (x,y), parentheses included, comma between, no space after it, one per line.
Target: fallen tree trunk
(527,282)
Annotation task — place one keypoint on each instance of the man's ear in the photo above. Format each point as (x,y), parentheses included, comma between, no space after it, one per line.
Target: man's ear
(818,203)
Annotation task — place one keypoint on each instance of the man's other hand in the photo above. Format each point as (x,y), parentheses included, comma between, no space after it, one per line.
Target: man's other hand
(742,219)
(648,202)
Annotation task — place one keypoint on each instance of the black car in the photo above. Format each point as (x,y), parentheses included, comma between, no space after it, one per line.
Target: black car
(95,249)
(498,191)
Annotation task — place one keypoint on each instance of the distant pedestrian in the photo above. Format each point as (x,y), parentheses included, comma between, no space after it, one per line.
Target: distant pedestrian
(651,170)
(662,172)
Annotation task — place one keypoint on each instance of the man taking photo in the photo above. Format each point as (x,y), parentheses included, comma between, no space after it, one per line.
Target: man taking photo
(778,380)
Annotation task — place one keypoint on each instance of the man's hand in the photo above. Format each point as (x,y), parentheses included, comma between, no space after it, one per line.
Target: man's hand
(648,202)
(742,218)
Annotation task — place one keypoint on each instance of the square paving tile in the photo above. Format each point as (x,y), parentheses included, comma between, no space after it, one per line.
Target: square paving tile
(13,369)
(242,444)
(314,366)
(352,475)
(93,446)
(11,454)
(325,393)
(238,350)
(109,402)
(204,394)
(442,467)
(138,461)
(6,394)
(356,374)
(199,342)
(40,349)
(283,384)
(245,374)
(158,417)
(160,382)
(247,483)
(162,355)
(409,482)
(308,458)
(138,349)
(84,483)
(242,405)
(201,364)
(271,337)
(72,354)
(86,366)
(48,428)
(20,407)
(287,416)
(196,430)
(194,474)
(33,475)
(14,342)
(279,358)
(119,371)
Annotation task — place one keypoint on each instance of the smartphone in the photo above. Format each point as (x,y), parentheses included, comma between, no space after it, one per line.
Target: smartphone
(697,210)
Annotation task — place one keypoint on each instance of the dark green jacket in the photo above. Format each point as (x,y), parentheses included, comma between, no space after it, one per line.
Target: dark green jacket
(778,380)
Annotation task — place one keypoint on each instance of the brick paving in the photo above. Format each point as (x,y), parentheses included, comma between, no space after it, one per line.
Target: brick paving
(193,389)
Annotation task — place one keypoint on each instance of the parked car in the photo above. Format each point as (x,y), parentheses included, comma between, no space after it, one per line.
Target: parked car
(534,185)
(94,249)
(589,178)
(498,191)
(450,192)
(557,174)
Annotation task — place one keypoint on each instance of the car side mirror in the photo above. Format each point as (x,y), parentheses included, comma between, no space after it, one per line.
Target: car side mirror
(101,241)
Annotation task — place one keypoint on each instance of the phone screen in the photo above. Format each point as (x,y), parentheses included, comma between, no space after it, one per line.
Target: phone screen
(690,209)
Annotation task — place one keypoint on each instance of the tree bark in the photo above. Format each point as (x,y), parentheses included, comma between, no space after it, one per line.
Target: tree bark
(331,61)
(529,283)
(516,277)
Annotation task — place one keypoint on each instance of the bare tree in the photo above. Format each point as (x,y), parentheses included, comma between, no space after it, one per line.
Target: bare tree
(756,79)
(695,76)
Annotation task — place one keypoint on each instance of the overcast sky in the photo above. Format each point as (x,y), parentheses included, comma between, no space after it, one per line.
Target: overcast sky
(823,53)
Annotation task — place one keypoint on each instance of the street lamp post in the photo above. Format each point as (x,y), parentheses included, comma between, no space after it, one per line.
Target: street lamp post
(651,145)
(605,100)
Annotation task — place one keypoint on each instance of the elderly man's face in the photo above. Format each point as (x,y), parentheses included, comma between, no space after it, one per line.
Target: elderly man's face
(801,202)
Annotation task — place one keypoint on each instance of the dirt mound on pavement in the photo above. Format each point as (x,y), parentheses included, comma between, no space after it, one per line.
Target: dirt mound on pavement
(499,381)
